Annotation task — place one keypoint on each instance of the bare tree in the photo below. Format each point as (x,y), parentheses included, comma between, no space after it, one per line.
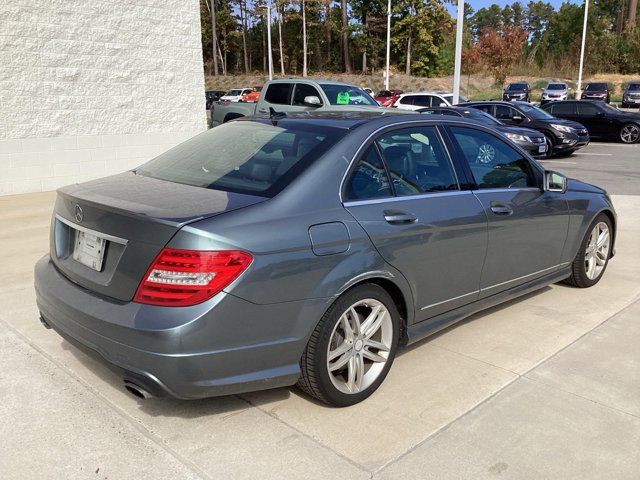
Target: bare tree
(280,39)
(345,37)
(214,35)
(243,20)
(631,16)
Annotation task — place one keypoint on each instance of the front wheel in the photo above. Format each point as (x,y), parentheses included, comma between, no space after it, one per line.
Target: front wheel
(593,257)
(630,133)
(352,347)
(549,143)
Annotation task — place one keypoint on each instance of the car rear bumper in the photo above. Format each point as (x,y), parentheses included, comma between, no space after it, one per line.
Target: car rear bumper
(223,346)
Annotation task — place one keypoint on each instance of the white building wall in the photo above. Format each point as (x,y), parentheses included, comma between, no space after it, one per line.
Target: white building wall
(94,88)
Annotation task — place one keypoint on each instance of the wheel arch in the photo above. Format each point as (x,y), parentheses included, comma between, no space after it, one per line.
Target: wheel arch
(614,227)
(232,116)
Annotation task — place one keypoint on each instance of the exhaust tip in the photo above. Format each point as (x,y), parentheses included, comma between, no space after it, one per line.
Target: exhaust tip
(136,390)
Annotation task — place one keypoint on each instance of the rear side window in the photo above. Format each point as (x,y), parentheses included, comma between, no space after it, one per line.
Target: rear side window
(505,112)
(417,161)
(408,100)
(244,157)
(278,93)
(369,179)
(493,163)
(563,109)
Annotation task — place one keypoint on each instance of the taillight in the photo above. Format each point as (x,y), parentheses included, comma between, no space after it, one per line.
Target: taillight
(178,278)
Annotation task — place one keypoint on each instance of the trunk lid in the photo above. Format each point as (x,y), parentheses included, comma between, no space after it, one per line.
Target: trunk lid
(137,216)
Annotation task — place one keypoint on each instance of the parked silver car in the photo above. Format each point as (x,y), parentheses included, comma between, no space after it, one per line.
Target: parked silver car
(307,249)
(555,91)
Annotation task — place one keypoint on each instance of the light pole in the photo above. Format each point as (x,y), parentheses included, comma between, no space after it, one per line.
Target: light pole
(386,74)
(270,58)
(584,37)
(458,54)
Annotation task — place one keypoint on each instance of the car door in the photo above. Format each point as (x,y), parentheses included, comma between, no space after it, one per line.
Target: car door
(527,225)
(594,119)
(406,102)
(418,218)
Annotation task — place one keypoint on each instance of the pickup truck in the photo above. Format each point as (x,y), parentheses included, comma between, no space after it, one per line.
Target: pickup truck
(296,95)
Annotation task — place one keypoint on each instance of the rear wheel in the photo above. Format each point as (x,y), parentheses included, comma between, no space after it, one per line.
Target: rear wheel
(630,133)
(352,347)
(593,257)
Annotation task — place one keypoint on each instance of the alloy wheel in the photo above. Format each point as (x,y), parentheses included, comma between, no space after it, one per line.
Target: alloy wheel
(597,251)
(486,153)
(359,346)
(630,133)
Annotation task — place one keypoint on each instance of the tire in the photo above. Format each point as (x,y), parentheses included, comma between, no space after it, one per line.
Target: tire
(338,388)
(549,143)
(580,276)
(629,133)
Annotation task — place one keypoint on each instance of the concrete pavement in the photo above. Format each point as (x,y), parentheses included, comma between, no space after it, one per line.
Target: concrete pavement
(547,386)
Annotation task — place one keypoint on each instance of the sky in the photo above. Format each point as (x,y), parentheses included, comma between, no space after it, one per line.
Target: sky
(478,4)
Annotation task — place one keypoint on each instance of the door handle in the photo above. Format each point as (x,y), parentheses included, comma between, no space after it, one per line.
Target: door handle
(399,217)
(501,209)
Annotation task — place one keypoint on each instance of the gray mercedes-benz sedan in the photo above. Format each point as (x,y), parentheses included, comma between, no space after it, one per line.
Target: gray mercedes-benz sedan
(307,249)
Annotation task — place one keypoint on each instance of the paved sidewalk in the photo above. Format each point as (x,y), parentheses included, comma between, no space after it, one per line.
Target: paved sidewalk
(547,386)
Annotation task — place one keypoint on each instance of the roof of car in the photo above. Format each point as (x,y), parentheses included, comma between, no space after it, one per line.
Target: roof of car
(323,82)
(348,120)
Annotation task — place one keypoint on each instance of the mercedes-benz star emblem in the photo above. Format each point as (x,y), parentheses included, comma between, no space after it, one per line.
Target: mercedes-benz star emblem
(78,213)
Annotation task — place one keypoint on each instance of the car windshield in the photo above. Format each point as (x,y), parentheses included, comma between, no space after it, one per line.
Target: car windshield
(556,86)
(634,86)
(596,87)
(233,93)
(534,112)
(516,86)
(346,95)
(244,157)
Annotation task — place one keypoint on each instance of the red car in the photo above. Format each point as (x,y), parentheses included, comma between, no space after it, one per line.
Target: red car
(253,96)
(387,98)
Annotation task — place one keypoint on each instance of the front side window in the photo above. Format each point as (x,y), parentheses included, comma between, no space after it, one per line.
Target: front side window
(485,108)
(563,109)
(244,157)
(587,109)
(369,179)
(505,112)
(301,92)
(417,161)
(279,93)
(493,163)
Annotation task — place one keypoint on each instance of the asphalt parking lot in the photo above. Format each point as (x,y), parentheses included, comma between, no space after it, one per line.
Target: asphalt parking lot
(547,386)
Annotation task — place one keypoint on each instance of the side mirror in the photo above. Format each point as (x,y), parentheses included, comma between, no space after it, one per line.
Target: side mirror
(517,118)
(312,101)
(600,114)
(554,182)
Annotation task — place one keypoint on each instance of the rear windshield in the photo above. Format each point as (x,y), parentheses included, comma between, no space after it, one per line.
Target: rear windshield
(556,86)
(596,86)
(243,157)
(346,95)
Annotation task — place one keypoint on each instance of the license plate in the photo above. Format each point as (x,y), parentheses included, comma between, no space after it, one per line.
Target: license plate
(542,148)
(88,249)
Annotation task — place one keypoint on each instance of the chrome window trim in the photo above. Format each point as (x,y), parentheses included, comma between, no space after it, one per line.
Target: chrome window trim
(496,285)
(111,238)
(446,193)
(401,124)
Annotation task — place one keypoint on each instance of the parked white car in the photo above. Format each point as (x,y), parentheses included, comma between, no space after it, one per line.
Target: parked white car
(235,94)
(416,101)
(554,92)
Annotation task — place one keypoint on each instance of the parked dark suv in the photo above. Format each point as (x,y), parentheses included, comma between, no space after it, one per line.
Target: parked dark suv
(596,91)
(631,95)
(516,91)
(602,120)
(562,136)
